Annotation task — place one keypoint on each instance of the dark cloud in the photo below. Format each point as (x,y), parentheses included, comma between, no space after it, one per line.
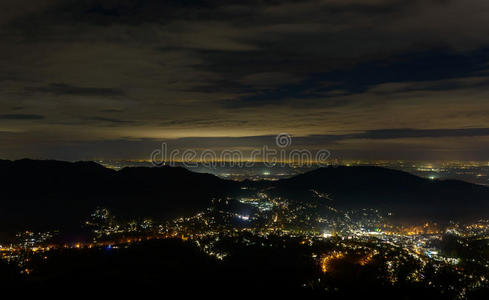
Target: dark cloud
(111,110)
(383,134)
(325,139)
(109,120)
(423,133)
(203,122)
(21,117)
(66,89)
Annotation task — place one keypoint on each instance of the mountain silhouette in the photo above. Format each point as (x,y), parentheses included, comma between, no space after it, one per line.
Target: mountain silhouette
(406,195)
(46,194)
(41,195)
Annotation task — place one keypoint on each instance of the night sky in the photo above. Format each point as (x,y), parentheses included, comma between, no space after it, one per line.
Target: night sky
(366,79)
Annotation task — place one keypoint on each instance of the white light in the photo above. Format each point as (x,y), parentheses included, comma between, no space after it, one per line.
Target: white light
(245,218)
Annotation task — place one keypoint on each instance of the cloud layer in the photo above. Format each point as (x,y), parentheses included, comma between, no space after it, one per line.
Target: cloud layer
(97,73)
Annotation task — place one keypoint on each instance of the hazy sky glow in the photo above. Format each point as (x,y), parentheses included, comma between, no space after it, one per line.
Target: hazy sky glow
(364,78)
